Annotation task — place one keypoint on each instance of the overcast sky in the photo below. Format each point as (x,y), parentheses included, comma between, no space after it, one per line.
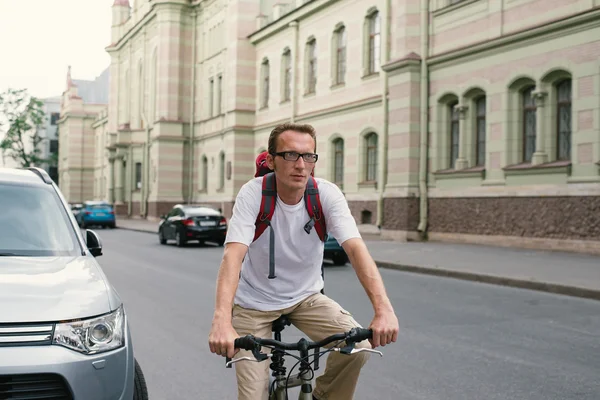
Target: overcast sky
(39,39)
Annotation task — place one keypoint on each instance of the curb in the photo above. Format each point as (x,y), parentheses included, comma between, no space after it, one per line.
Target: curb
(573,291)
(135,229)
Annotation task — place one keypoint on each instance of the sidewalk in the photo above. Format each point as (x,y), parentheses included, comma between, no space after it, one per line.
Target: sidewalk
(565,273)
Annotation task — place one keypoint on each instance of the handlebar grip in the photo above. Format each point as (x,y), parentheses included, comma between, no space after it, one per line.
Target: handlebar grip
(360,334)
(245,343)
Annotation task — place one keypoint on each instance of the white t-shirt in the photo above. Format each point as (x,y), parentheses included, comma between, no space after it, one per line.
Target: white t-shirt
(298,255)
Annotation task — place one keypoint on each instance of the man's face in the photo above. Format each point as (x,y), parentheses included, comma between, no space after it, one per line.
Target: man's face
(292,174)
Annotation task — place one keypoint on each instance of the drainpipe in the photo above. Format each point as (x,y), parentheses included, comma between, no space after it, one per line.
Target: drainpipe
(386,115)
(131,166)
(295,58)
(424,146)
(192,106)
(146,165)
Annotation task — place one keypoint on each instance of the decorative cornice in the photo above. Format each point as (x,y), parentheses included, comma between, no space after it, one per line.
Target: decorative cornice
(576,23)
(410,60)
(297,14)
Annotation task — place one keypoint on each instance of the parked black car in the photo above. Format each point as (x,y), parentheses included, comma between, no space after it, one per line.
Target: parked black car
(186,223)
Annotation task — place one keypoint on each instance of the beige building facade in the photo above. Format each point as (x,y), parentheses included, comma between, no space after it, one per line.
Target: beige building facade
(472,120)
(80,104)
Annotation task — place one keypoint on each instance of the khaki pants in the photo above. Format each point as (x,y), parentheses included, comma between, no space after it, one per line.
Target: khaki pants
(318,317)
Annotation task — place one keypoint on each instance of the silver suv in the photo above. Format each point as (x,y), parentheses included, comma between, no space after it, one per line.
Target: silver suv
(63,328)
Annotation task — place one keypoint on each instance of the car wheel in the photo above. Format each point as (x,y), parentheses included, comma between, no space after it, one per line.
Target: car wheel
(179,239)
(161,238)
(339,259)
(140,389)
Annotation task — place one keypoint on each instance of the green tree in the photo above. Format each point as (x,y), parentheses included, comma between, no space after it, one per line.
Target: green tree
(20,117)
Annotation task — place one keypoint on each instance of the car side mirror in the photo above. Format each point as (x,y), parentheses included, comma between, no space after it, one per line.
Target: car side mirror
(163,216)
(93,242)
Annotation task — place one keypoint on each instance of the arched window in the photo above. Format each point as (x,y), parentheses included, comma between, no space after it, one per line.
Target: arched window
(264,100)
(453,129)
(563,120)
(338,162)
(529,123)
(286,72)
(222,170)
(480,130)
(204,173)
(371,157)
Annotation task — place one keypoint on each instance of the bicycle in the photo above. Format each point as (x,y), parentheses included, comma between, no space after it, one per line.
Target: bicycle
(278,382)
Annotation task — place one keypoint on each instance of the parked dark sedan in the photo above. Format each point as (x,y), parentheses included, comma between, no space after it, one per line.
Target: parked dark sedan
(186,223)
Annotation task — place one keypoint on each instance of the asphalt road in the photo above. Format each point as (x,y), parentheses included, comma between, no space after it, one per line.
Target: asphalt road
(459,340)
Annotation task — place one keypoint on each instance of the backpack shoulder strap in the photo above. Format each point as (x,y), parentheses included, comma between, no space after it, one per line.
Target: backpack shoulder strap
(267,209)
(267,204)
(314,209)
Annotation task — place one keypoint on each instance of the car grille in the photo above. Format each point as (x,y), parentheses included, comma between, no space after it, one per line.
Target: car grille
(25,335)
(34,387)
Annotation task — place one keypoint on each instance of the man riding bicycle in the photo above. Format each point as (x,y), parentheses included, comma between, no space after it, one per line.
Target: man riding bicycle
(250,296)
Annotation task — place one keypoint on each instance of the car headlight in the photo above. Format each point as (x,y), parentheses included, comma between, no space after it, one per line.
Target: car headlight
(94,335)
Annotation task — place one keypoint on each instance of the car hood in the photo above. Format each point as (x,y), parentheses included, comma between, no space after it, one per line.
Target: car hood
(46,289)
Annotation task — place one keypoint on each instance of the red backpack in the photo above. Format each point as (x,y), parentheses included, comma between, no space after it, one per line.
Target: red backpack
(267,208)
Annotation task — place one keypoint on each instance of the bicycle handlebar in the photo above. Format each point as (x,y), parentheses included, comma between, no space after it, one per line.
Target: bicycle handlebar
(355,335)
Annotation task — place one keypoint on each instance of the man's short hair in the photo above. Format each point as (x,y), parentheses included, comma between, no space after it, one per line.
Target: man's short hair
(279,129)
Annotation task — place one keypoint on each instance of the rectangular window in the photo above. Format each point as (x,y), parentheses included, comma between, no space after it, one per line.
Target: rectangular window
(529,124)
(563,112)
(54,117)
(138,175)
(53,146)
(480,143)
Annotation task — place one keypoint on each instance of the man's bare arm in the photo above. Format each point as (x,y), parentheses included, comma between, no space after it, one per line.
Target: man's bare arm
(385,322)
(222,333)
(228,277)
(367,273)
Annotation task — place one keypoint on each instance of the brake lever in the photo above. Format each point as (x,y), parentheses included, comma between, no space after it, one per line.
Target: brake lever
(351,350)
(229,363)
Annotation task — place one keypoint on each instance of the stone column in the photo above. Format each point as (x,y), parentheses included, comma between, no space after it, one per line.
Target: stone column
(118,175)
(111,179)
(539,156)
(461,161)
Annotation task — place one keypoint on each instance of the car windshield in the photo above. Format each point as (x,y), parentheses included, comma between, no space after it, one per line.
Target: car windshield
(34,223)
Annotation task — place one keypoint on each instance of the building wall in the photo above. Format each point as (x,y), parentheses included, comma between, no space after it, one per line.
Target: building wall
(77,146)
(506,198)
(200,73)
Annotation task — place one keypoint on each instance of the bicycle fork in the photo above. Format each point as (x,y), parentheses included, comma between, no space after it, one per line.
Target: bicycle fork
(279,384)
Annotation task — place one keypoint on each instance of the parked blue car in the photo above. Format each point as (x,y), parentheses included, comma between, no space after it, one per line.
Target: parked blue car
(96,213)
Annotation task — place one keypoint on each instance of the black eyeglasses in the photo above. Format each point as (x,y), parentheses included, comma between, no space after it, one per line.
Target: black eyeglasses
(293,156)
